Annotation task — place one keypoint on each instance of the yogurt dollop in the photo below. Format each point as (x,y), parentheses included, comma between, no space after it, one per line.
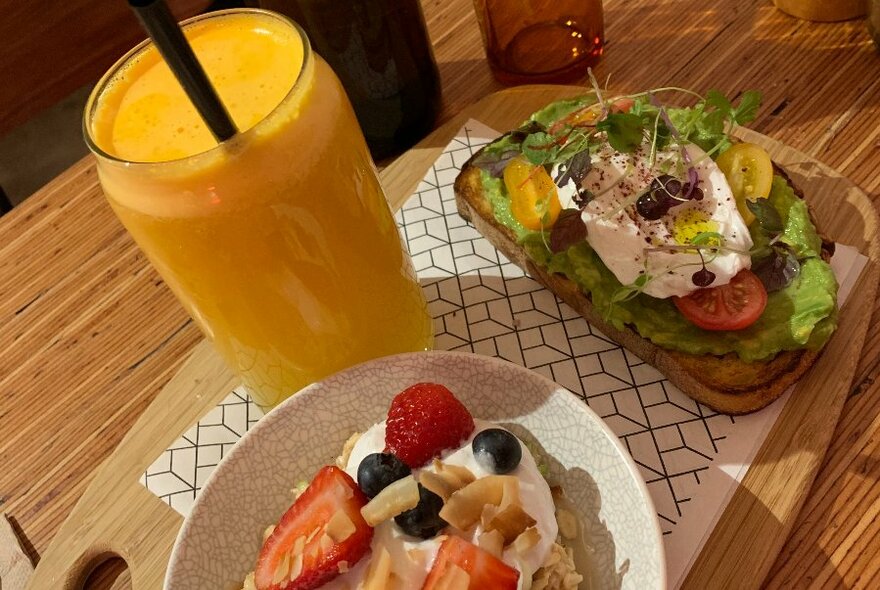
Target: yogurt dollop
(412,557)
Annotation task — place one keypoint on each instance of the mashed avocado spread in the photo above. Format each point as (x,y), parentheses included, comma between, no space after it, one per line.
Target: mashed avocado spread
(801,315)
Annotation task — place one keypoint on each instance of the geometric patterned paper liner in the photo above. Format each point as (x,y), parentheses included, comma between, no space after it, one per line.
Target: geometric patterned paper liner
(690,457)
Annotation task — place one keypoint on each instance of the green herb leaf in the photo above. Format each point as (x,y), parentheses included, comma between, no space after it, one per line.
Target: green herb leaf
(697,125)
(578,141)
(539,148)
(494,159)
(767,216)
(748,106)
(663,135)
(624,131)
(706,123)
(716,99)
(685,120)
(713,123)
(710,131)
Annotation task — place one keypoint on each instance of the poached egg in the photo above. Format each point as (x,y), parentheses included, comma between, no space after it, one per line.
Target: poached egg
(630,245)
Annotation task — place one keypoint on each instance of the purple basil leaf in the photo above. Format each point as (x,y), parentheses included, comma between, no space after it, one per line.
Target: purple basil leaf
(583,197)
(520,134)
(568,230)
(777,270)
(575,169)
(495,162)
(767,216)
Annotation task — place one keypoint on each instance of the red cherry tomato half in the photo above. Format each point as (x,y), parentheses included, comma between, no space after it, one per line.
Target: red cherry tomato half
(588,116)
(733,306)
(622,105)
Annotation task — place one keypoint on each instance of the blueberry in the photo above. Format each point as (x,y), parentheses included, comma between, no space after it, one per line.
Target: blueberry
(424,520)
(379,470)
(497,450)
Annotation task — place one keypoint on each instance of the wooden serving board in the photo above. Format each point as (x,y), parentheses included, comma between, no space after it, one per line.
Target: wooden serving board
(118,516)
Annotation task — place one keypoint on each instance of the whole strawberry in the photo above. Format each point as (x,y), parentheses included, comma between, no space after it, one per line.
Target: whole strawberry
(424,420)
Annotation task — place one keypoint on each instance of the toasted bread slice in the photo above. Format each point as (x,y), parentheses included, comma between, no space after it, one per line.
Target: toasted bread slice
(724,383)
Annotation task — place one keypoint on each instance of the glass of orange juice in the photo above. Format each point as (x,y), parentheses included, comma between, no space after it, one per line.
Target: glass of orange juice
(278,242)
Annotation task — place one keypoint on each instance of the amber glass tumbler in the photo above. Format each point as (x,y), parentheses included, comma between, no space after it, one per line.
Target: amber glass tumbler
(533,41)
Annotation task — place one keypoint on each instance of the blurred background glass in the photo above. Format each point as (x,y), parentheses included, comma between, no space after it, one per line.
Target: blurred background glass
(824,10)
(533,41)
(381,51)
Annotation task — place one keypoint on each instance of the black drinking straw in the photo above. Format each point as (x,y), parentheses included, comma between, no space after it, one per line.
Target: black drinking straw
(175,49)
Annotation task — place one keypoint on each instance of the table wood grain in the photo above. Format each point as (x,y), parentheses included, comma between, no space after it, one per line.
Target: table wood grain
(52,48)
(89,333)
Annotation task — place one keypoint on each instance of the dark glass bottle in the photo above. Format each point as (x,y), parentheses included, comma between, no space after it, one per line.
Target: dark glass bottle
(382,54)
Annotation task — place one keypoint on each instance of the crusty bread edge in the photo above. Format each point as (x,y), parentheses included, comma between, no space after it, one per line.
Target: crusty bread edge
(682,369)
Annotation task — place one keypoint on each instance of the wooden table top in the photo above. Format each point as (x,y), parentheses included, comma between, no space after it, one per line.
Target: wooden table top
(89,333)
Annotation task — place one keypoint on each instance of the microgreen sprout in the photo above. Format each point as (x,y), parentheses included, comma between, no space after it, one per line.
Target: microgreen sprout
(598,92)
(627,292)
(652,158)
(693,177)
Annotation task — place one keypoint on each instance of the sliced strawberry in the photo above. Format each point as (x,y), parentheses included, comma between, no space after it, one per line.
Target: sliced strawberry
(323,528)
(424,420)
(483,569)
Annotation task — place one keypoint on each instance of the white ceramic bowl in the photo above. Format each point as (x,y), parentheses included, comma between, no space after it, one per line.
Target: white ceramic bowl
(251,488)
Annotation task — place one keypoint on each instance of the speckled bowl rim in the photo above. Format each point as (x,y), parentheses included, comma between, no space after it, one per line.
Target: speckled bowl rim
(301,395)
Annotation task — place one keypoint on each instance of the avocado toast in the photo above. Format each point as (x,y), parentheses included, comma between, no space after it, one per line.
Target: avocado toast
(647,233)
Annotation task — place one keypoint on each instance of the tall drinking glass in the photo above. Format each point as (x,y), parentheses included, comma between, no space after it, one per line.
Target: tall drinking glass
(278,242)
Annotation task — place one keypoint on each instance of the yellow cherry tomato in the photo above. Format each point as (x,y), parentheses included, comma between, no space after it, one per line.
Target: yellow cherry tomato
(534,200)
(586,117)
(749,173)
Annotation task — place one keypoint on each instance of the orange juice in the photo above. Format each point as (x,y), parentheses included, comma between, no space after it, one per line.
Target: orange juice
(278,242)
